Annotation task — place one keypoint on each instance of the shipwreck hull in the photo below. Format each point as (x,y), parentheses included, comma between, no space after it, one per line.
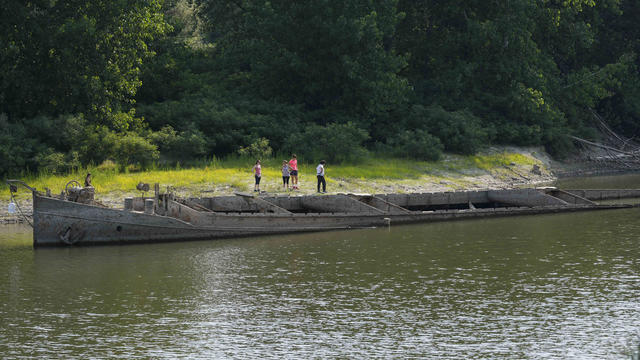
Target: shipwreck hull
(63,223)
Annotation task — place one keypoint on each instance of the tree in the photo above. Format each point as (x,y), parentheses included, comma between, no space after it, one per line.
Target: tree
(74,56)
(326,54)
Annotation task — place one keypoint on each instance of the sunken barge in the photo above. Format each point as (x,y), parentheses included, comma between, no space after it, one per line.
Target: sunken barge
(75,218)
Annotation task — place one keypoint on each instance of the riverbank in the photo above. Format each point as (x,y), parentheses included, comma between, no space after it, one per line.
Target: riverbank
(496,168)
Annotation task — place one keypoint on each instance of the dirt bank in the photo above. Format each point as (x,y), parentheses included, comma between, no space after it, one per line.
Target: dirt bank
(536,171)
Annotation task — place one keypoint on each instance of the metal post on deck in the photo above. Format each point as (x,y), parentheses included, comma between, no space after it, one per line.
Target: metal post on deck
(156,197)
(149,205)
(128,204)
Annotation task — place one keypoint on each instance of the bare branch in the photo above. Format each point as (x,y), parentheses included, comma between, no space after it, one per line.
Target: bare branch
(603,146)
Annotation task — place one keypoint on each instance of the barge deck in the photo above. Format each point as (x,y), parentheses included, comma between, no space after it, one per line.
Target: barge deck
(74,218)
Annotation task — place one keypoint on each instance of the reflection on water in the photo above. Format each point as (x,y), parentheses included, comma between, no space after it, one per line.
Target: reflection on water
(549,286)
(627,181)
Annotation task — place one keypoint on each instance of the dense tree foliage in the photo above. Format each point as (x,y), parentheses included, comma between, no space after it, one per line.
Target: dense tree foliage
(146,80)
(69,73)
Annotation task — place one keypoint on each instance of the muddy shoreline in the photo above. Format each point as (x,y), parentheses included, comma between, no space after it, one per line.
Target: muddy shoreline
(511,177)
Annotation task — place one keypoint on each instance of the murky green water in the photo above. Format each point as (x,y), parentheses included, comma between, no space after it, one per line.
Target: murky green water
(562,286)
(627,181)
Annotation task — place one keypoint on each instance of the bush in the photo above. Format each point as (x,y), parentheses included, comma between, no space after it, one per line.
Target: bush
(220,128)
(130,148)
(57,162)
(225,122)
(335,142)
(191,143)
(559,146)
(459,131)
(165,138)
(418,144)
(122,122)
(97,143)
(258,149)
(107,166)
(519,134)
(185,145)
(93,143)
(18,148)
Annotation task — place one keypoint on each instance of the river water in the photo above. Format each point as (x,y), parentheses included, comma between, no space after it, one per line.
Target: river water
(562,286)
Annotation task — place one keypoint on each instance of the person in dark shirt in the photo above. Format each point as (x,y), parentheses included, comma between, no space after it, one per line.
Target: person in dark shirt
(320,175)
(87,180)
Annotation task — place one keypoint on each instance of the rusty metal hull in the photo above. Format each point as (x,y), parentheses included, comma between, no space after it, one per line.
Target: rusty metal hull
(62,223)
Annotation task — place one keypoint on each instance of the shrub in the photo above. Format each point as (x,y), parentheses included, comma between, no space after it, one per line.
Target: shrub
(225,121)
(219,128)
(164,138)
(191,143)
(519,134)
(335,142)
(107,166)
(459,131)
(418,144)
(121,121)
(93,144)
(258,149)
(130,148)
(52,162)
(185,145)
(18,148)
(559,146)
(97,143)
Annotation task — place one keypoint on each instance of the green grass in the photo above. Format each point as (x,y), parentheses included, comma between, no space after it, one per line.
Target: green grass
(234,174)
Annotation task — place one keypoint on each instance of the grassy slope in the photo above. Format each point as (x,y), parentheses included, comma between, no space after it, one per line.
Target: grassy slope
(371,175)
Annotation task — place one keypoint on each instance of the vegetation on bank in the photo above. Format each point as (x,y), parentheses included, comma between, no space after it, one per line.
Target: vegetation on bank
(146,82)
(234,174)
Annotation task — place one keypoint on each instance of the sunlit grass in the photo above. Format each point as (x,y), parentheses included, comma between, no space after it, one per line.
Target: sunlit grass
(488,162)
(383,168)
(234,173)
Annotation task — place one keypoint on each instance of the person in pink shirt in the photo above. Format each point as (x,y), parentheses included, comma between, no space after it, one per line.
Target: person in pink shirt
(293,164)
(257,173)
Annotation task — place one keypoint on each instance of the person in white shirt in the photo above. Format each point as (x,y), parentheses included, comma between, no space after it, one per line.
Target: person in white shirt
(320,174)
(286,174)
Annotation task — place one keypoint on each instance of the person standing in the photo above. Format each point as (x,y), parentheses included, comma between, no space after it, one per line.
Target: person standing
(257,173)
(87,180)
(286,174)
(320,175)
(293,165)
